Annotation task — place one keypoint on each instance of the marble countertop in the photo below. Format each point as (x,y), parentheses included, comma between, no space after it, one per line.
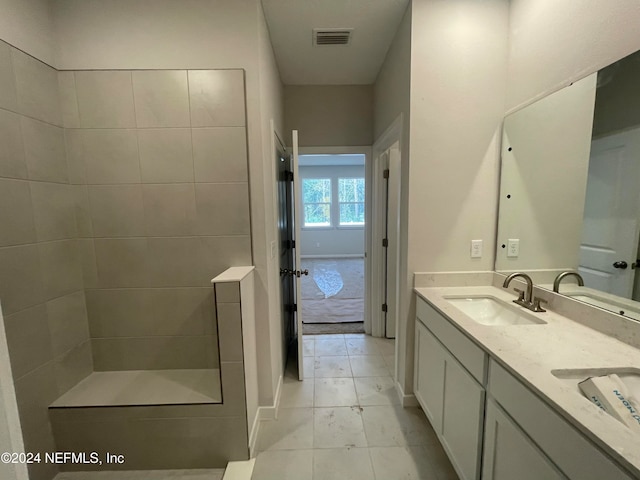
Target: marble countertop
(531,352)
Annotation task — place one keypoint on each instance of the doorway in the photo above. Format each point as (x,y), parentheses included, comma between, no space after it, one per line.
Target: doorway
(333,241)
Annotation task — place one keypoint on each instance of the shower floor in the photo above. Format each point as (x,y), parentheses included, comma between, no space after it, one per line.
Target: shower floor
(144,387)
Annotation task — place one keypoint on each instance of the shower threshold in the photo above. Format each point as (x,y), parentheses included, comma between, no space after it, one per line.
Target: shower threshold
(144,387)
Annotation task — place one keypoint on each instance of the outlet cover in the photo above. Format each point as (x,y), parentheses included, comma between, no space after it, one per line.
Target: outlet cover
(273,249)
(513,247)
(476,248)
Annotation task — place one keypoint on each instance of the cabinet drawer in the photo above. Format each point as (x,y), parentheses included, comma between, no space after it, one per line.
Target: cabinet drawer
(574,455)
(468,353)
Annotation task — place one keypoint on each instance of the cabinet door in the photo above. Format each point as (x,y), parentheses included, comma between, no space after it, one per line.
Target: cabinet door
(462,419)
(429,375)
(509,453)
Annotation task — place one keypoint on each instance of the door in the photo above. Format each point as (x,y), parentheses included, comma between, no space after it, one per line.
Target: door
(289,212)
(286,259)
(610,230)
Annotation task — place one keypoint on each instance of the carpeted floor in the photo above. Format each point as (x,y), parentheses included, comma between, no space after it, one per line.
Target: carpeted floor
(333,292)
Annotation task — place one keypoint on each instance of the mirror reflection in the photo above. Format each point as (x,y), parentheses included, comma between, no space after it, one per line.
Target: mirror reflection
(569,192)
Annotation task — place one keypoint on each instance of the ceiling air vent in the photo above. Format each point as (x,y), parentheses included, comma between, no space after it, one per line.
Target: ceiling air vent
(331,36)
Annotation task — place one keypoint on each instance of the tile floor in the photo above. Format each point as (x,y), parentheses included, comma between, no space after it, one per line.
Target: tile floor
(215,474)
(344,420)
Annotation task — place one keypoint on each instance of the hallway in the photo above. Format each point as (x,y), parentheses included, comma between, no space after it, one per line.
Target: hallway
(344,420)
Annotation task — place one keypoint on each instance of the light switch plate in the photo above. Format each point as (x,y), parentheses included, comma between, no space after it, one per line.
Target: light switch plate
(476,248)
(513,247)
(273,249)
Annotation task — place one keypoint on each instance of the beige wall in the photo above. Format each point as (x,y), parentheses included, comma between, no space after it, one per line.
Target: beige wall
(28,25)
(552,44)
(392,100)
(41,278)
(458,81)
(191,35)
(545,161)
(330,115)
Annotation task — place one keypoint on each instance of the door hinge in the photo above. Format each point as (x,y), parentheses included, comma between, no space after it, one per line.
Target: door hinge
(290,176)
(295,307)
(385,174)
(385,242)
(293,244)
(384,307)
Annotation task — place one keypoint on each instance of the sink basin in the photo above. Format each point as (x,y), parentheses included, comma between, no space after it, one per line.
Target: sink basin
(629,375)
(487,310)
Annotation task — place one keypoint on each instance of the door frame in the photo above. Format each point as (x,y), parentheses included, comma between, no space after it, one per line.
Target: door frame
(366,151)
(391,136)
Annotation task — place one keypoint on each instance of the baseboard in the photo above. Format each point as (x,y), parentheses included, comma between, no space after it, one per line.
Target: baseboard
(269,412)
(409,400)
(345,255)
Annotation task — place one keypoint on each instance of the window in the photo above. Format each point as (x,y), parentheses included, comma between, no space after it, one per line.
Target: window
(316,199)
(351,201)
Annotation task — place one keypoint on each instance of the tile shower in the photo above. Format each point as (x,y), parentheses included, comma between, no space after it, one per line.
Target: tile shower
(122,193)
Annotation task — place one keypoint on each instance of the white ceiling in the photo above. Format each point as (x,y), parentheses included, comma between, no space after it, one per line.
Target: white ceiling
(291,24)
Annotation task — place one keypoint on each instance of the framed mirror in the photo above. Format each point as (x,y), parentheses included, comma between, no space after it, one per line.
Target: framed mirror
(570,189)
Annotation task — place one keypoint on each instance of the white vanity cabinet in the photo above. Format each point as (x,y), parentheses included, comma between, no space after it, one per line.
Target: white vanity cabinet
(509,453)
(449,388)
(546,439)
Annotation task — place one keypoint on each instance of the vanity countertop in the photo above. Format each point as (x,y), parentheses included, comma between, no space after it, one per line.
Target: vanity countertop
(531,352)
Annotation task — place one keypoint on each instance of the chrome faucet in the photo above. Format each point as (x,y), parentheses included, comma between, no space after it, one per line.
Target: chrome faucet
(525,297)
(568,273)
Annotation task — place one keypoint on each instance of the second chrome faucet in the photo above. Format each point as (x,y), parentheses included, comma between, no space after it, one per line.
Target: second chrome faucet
(525,297)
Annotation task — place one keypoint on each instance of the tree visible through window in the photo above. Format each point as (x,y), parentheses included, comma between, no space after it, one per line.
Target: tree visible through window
(316,197)
(351,201)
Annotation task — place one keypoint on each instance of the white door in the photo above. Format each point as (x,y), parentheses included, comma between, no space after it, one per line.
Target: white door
(297,215)
(610,230)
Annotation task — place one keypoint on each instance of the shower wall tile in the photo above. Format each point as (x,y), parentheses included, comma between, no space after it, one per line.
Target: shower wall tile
(220,154)
(12,162)
(230,331)
(122,262)
(169,210)
(110,156)
(217,98)
(44,151)
(73,366)
(166,155)
(68,100)
(161,98)
(8,95)
(34,393)
(220,253)
(151,312)
(151,353)
(116,210)
(28,339)
(53,211)
(223,208)
(20,278)
(68,323)
(74,143)
(182,262)
(105,99)
(82,210)
(36,88)
(87,254)
(61,268)
(41,441)
(16,213)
